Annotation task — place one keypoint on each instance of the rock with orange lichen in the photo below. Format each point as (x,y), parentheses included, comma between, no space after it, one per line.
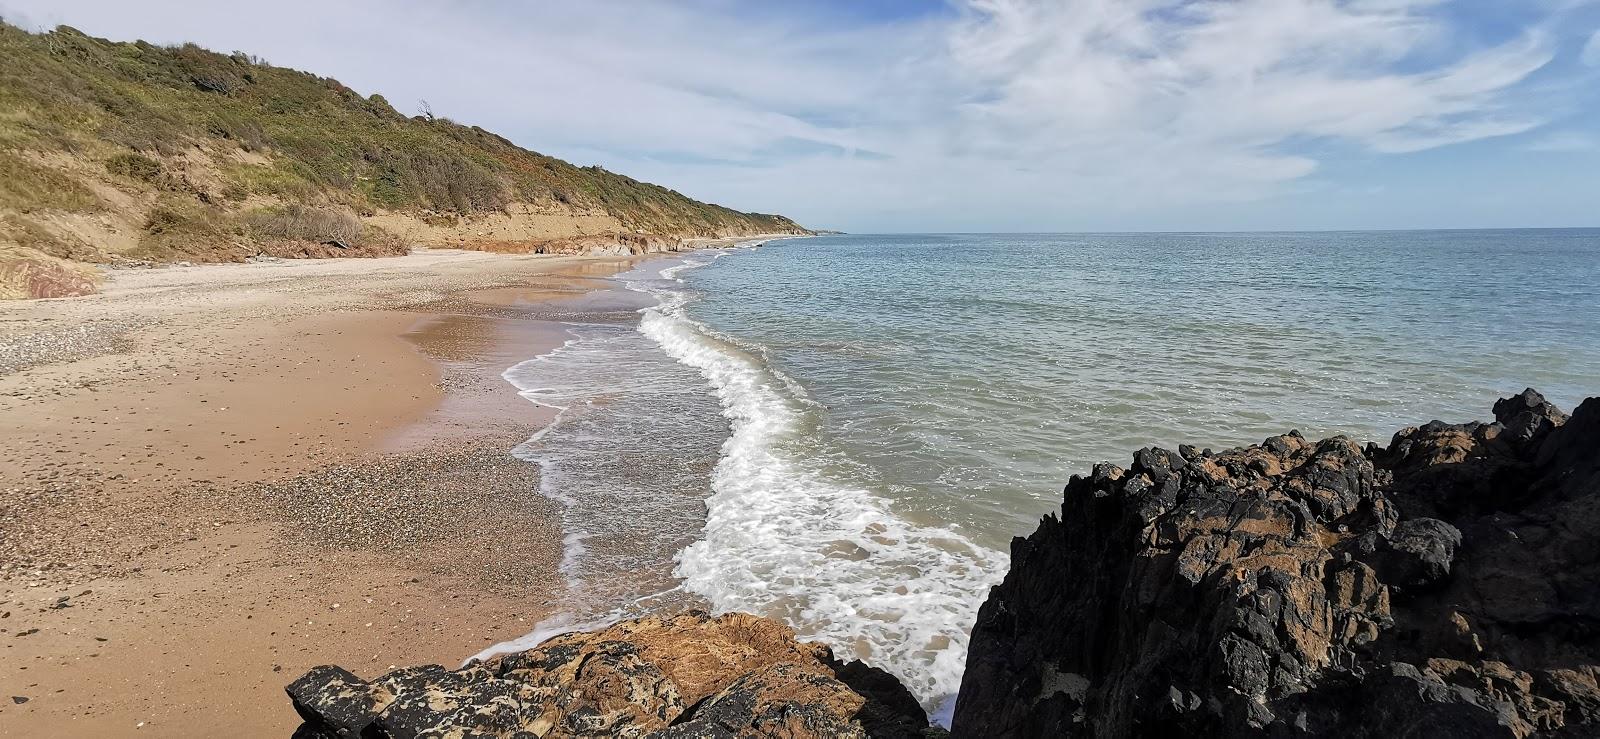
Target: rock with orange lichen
(1447,585)
(690,675)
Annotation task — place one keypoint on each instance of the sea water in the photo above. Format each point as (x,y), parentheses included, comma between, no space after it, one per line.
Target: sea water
(844,432)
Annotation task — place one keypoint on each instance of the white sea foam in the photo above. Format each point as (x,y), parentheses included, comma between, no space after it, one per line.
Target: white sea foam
(568,621)
(790,529)
(607,382)
(521,376)
(789,534)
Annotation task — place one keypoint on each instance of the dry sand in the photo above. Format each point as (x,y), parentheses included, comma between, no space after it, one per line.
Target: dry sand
(216,477)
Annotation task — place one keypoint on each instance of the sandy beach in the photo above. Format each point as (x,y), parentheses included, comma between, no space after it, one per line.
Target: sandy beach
(217,477)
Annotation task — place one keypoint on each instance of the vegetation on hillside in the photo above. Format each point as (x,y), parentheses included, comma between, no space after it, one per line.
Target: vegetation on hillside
(213,148)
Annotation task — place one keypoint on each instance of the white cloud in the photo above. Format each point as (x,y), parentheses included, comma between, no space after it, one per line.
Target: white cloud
(1591,51)
(1225,86)
(1064,107)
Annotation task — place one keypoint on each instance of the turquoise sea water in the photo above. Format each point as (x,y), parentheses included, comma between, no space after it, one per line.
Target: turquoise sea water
(844,432)
(970,375)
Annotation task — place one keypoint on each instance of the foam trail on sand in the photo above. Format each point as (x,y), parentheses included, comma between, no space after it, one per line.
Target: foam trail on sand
(568,621)
(627,458)
(792,530)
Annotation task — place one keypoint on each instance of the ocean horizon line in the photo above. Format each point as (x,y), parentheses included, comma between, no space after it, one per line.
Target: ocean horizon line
(1202,232)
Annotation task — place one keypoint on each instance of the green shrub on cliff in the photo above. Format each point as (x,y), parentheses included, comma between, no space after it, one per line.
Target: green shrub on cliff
(133,103)
(134,165)
(304,223)
(27,184)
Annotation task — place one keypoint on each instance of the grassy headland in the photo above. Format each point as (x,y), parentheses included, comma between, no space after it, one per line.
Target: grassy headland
(116,152)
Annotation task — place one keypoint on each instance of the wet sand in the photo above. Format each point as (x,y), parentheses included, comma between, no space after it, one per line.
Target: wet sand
(217,477)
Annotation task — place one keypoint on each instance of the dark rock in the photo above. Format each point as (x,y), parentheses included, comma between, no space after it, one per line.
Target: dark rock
(890,709)
(1418,552)
(1527,416)
(685,676)
(1403,700)
(780,699)
(1445,585)
(333,702)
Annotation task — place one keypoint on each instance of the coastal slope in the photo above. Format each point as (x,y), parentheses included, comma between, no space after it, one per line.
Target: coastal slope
(129,153)
(1444,585)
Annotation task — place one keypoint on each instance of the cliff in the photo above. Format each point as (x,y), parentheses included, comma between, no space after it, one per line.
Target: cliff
(134,153)
(1445,585)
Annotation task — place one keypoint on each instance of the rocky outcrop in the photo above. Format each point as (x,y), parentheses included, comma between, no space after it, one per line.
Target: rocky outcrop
(689,676)
(25,273)
(1446,585)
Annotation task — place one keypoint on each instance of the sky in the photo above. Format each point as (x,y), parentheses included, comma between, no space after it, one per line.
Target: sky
(986,115)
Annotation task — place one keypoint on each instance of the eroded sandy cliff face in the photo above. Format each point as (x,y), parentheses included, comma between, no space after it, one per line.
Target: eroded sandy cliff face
(1445,585)
(132,153)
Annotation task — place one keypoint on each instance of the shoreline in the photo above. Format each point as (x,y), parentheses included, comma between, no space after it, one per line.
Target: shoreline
(608,302)
(200,452)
